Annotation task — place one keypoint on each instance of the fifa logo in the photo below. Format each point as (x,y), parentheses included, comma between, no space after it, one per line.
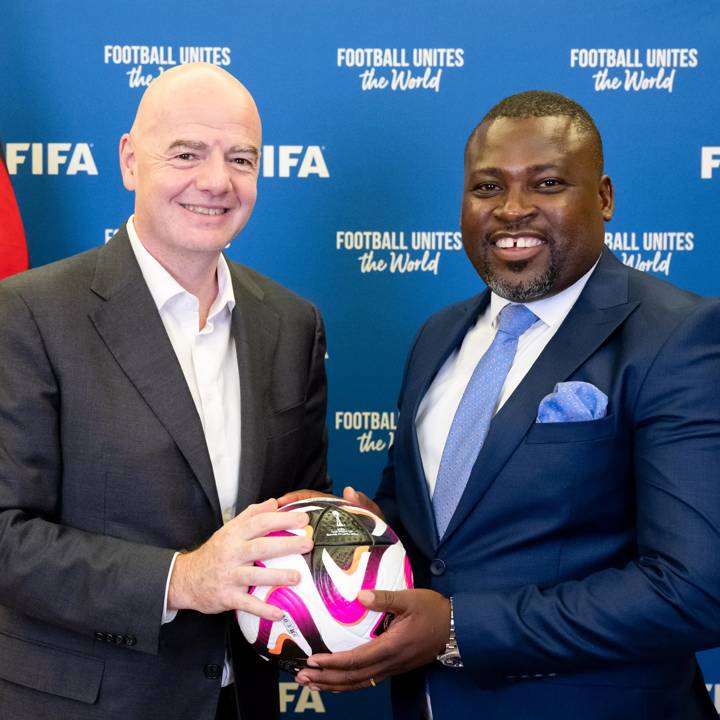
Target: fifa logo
(49,158)
(338,520)
(280,160)
(294,698)
(709,160)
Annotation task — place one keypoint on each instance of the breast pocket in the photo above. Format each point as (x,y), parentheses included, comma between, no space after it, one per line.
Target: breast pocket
(572,432)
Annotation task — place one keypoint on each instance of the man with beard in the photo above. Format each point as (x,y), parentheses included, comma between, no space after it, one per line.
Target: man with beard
(555,469)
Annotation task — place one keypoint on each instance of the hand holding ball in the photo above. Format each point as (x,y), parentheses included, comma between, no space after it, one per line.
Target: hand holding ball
(353,550)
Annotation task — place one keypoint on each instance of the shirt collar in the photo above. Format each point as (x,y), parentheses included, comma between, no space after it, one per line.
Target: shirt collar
(225,296)
(552,310)
(163,286)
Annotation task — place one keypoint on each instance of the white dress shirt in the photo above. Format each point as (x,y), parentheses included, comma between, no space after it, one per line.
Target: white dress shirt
(438,406)
(208,360)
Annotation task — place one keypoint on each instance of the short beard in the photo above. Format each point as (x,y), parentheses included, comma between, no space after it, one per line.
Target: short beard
(533,289)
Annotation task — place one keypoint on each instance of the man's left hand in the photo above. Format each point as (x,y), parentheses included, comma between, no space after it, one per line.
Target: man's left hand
(416,636)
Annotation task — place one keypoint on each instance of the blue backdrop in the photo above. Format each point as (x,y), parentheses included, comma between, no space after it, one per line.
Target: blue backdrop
(366,107)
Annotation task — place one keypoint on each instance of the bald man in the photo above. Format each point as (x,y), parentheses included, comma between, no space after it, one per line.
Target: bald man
(152,395)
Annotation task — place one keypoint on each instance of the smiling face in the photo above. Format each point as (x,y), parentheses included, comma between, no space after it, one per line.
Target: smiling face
(192,160)
(533,206)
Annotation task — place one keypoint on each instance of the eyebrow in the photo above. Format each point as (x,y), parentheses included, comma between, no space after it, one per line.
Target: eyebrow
(197,145)
(499,171)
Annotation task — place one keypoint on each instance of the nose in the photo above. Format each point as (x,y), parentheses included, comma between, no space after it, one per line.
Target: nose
(514,206)
(213,174)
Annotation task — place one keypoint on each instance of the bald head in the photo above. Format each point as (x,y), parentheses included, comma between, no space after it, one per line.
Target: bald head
(192,158)
(195,83)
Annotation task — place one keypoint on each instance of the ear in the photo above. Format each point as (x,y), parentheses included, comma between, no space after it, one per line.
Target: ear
(127,161)
(607,198)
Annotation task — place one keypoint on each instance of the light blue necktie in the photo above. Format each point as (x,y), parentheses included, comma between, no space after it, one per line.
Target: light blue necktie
(475,411)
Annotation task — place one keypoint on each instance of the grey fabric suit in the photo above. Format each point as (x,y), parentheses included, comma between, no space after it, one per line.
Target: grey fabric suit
(104,473)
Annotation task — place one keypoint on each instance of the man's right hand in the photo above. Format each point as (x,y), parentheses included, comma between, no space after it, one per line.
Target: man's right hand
(217,575)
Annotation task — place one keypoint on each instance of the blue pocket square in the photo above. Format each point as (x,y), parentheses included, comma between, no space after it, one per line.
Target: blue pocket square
(573,402)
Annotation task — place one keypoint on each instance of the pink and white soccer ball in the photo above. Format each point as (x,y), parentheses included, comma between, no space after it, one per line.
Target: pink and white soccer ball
(353,550)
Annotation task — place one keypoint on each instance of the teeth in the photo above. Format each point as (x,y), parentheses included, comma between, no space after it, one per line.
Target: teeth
(528,242)
(521,242)
(204,210)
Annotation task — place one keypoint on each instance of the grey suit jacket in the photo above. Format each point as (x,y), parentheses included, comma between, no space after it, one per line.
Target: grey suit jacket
(104,473)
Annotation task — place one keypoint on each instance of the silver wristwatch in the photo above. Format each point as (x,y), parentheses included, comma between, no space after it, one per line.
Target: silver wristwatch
(450,657)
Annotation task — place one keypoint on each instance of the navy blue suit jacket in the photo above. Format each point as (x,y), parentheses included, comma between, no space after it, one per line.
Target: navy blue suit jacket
(583,557)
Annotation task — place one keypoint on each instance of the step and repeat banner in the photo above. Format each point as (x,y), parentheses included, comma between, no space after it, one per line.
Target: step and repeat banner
(366,107)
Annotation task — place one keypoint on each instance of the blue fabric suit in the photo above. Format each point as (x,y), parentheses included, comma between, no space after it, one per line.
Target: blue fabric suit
(583,557)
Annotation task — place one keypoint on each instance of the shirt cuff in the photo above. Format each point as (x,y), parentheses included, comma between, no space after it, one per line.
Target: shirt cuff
(168,615)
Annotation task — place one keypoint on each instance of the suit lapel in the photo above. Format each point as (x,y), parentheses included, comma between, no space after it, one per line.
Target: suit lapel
(255,329)
(601,308)
(445,337)
(130,326)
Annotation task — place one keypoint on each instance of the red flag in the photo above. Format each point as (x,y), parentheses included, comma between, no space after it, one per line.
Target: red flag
(13,249)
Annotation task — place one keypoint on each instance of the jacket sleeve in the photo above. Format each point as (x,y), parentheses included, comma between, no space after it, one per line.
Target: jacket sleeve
(386,495)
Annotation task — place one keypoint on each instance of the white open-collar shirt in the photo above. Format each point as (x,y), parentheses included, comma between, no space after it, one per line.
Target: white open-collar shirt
(208,359)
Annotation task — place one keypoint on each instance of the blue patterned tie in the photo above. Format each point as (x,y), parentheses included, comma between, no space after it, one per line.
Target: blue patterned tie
(475,411)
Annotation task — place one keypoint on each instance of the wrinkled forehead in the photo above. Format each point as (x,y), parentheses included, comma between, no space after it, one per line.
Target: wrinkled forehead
(205,125)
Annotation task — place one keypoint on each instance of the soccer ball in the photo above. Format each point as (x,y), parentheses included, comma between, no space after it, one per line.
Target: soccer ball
(353,550)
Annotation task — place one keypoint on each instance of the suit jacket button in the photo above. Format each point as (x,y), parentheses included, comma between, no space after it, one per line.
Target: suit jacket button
(437,566)
(118,639)
(130,640)
(100,636)
(213,671)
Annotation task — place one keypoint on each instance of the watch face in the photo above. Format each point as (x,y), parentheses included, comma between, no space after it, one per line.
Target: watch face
(451,659)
